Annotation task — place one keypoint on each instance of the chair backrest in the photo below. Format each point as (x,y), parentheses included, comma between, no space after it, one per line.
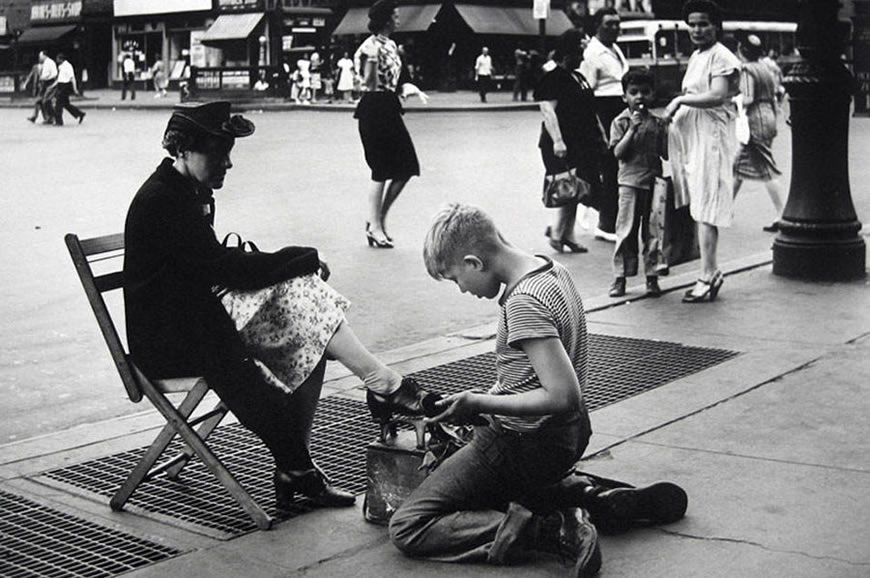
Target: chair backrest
(108,249)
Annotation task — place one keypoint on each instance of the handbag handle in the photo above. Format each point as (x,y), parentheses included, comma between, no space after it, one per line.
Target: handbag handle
(246,246)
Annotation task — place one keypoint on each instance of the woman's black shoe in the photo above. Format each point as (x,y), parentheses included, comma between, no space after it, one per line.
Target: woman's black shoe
(407,400)
(314,485)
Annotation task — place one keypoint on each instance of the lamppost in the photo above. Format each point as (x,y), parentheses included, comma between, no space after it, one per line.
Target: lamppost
(540,12)
(819,230)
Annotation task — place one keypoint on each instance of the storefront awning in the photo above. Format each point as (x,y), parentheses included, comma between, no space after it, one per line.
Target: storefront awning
(232,27)
(45,34)
(417,18)
(513,21)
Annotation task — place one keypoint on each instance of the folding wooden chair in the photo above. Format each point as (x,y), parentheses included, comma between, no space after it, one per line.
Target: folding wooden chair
(110,250)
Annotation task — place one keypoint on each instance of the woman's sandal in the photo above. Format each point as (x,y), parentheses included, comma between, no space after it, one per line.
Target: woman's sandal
(711,291)
(559,245)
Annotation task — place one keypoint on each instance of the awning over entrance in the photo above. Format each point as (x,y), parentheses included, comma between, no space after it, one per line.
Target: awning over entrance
(415,18)
(513,21)
(232,27)
(45,34)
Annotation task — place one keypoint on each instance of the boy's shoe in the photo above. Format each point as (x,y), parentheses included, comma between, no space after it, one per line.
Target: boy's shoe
(617,288)
(569,534)
(658,503)
(652,286)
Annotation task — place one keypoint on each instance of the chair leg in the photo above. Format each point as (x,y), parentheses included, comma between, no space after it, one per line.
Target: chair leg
(205,430)
(211,461)
(142,471)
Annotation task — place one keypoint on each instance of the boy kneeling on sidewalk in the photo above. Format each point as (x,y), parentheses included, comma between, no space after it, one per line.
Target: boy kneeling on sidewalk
(512,490)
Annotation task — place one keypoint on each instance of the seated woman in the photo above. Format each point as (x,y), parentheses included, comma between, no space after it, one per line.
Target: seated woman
(189,302)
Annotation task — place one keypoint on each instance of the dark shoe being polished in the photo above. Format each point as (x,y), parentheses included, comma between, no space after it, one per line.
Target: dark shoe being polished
(314,485)
(407,400)
(569,534)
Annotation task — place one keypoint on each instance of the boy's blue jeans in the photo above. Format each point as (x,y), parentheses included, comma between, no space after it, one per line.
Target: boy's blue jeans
(474,507)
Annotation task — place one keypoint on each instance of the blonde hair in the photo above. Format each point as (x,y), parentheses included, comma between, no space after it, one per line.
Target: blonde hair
(458,230)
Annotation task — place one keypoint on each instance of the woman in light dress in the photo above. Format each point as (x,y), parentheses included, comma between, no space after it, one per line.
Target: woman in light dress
(345,77)
(703,141)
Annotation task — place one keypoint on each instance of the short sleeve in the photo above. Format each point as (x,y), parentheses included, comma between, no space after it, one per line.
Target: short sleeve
(548,87)
(528,318)
(723,62)
(617,129)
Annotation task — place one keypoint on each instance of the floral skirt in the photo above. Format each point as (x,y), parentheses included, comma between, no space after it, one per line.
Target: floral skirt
(287,326)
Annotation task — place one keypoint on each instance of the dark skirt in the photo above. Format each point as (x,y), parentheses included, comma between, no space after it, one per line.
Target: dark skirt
(388,148)
(585,160)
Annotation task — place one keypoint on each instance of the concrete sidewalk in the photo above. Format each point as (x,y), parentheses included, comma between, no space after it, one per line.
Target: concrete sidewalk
(461,100)
(771,447)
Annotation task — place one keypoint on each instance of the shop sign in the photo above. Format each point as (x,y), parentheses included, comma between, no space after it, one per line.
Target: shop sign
(235,79)
(140,7)
(7,84)
(287,42)
(44,11)
(239,5)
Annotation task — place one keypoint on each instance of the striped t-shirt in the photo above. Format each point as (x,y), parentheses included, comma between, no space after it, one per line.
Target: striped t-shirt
(544,303)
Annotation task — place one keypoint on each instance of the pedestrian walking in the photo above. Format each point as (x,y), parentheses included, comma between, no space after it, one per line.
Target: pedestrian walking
(639,140)
(603,67)
(759,93)
(128,75)
(43,103)
(158,78)
(31,82)
(571,137)
(483,73)
(303,81)
(521,74)
(702,144)
(388,148)
(66,86)
(345,77)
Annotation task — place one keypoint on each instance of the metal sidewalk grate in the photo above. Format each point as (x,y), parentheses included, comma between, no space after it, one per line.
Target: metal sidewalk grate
(38,541)
(619,368)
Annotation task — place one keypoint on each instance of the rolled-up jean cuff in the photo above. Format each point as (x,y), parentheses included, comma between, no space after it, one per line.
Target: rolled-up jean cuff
(509,536)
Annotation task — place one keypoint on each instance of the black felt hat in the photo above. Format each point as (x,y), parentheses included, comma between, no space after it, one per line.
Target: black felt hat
(212,118)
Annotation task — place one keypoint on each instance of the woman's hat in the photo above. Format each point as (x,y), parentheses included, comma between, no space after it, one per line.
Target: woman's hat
(212,118)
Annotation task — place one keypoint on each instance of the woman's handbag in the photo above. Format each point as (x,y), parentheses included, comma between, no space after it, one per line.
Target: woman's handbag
(565,188)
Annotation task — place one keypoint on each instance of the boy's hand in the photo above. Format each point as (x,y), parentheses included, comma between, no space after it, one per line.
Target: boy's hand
(636,118)
(456,408)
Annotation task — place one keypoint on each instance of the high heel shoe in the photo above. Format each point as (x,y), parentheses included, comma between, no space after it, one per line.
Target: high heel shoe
(370,236)
(409,401)
(559,245)
(716,284)
(709,292)
(378,243)
(314,485)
